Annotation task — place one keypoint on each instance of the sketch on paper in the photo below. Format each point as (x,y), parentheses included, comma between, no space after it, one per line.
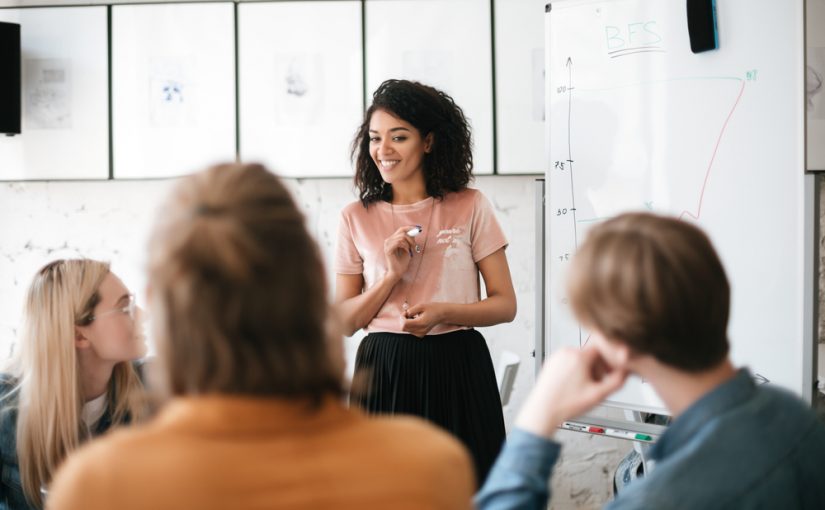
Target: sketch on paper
(296,80)
(48,88)
(170,92)
(815,83)
(431,67)
(299,88)
(537,58)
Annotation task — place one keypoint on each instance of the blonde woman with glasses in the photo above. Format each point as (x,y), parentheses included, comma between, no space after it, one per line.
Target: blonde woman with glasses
(71,377)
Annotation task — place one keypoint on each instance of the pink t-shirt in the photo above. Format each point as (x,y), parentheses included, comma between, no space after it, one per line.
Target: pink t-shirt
(462,231)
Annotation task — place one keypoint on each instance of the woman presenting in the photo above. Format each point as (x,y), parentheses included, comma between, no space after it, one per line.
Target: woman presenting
(407,266)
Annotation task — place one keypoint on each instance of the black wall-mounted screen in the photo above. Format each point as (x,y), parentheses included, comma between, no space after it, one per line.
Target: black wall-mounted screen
(9,78)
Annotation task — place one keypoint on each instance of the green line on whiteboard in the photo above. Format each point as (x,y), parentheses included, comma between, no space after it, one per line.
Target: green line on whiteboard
(654,82)
(594,220)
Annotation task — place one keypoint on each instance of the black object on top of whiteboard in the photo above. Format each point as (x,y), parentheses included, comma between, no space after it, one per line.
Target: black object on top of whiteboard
(9,78)
(701,20)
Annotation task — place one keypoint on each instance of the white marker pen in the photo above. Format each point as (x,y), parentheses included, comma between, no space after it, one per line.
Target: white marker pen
(415,231)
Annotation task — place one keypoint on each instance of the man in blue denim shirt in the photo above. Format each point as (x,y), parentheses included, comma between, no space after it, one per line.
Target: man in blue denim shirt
(655,297)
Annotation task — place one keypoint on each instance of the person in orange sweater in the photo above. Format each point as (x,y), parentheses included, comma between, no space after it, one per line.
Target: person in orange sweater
(239,308)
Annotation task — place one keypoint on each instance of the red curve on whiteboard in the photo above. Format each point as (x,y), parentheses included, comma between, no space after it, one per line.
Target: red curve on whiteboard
(713,158)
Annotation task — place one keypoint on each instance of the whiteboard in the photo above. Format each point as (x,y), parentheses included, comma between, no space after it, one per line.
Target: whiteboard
(519,86)
(173,88)
(65,104)
(638,122)
(442,43)
(301,85)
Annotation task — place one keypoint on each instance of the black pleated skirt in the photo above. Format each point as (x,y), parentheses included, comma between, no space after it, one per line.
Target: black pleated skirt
(447,379)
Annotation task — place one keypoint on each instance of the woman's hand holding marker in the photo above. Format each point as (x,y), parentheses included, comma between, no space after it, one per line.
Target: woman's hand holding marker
(398,250)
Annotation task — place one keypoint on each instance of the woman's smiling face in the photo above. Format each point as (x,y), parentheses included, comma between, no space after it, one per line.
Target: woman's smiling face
(397,148)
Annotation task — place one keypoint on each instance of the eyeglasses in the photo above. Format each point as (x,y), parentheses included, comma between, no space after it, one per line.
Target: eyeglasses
(129,310)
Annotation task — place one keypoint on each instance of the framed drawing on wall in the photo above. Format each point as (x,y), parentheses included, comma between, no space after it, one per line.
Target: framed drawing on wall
(173,88)
(520,86)
(64,95)
(815,83)
(443,43)
(301,85)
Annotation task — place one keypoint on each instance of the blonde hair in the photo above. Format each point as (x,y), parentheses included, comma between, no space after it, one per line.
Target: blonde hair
(62,295)
(655,284)
(239,290)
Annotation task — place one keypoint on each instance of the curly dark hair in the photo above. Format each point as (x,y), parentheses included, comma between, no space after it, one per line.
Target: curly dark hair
(447,167)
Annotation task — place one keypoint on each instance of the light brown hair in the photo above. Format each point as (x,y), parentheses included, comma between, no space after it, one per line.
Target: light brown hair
(238,289)
(656,284)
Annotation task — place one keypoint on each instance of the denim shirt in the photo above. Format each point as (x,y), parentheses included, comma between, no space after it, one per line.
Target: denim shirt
(739,446)
(11,488)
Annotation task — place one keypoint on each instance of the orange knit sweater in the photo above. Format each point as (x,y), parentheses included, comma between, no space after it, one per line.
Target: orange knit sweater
(222,452)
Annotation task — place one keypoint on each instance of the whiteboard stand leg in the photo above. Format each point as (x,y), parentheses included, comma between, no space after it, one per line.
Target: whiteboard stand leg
(811,300)
(541,318)
(641,448)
